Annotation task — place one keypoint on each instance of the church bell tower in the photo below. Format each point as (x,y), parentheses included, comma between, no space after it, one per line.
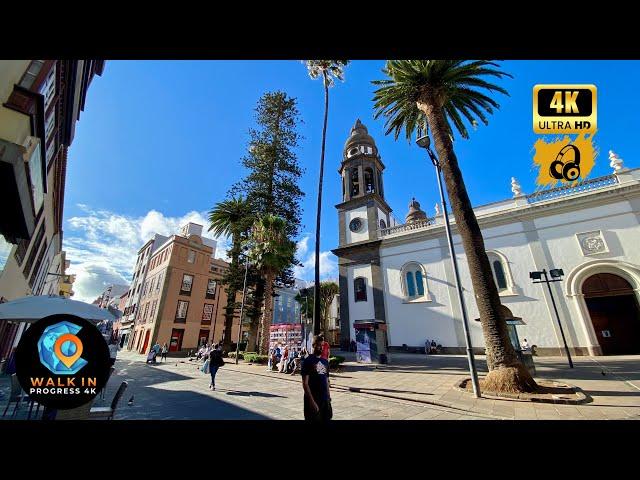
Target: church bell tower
(362,214)
(363,210)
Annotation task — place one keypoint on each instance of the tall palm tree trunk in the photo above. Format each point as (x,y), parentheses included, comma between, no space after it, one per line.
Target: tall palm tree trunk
(506,373)
(258,294)
(316,297)
(267,314)
(229,313)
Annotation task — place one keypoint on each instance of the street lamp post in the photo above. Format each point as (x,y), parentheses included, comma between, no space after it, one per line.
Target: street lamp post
(556,275)
(244,294)
(425,142)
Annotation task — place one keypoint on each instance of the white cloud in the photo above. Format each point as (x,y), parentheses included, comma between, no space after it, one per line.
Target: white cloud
(103,245)
(328,262)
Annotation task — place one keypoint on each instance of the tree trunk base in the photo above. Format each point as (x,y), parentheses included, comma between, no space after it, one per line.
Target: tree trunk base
(512,379)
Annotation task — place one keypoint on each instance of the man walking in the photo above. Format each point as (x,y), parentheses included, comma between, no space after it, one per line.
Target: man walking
(315,383)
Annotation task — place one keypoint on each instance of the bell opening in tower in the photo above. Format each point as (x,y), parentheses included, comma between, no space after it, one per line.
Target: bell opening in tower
(355,184)
(368,180)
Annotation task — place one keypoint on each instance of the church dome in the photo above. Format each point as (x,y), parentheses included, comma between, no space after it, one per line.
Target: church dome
(415,213)
(359,137)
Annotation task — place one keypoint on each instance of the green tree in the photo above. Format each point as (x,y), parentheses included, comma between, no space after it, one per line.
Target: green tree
(433,94)
(328,290)
(232,218)
(271,185)
(270,251)
(328,70)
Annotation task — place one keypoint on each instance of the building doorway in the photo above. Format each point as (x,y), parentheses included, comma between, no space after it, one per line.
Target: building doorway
(146,341)
(615,314)
(203,338)
(176,339)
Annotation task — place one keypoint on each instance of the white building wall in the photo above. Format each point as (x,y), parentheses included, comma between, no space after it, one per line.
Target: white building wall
(360,310)
(557,247)
(412,323)
(363,234)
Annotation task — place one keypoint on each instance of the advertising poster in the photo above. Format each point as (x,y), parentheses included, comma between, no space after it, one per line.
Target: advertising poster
(363,346)
(286,334)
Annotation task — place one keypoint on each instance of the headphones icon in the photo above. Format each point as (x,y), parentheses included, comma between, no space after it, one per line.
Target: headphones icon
(567,171)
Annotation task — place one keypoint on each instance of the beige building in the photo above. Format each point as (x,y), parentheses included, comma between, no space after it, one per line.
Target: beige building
(181,301)
(40,102)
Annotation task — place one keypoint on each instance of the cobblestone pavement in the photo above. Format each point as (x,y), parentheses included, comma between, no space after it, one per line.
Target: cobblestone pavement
(411,387)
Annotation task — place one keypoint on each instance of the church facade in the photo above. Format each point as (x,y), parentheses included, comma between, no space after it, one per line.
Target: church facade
(402,275)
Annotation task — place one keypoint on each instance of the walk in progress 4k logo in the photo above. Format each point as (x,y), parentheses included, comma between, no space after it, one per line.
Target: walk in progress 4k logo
(564,110)
(62,361)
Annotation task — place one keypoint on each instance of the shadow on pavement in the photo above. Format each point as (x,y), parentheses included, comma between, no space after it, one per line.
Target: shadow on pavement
(152,401)
(251,394)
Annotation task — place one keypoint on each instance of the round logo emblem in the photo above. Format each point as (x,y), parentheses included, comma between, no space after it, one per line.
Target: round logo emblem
(62,361)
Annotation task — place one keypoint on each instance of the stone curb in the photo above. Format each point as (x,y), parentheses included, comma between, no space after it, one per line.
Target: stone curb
(579,399)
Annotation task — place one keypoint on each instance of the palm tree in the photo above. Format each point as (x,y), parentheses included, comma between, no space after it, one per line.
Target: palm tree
(328,70)
(271,251)
(233,218)
(421,94)
(328,290)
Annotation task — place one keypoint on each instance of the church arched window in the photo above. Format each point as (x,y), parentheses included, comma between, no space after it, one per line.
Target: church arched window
(360,289)
(383,224)
(414,284)
(501,272)
(368,180)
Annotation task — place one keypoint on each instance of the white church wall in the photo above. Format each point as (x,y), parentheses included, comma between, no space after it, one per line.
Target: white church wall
(363,234)
(620,230)
(360,310)
(412,323)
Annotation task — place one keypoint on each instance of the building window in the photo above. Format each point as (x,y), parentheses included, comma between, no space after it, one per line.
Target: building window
(187,283)
(207,314)
(360,289)
(34,250)
(383,224)
(181,311)
(413,277)
(159,281)
(153,310)
(192,256)
(211,289)
(501,272)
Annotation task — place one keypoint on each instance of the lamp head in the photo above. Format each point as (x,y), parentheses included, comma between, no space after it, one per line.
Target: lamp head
(535,275)
(556,273)
(424,141)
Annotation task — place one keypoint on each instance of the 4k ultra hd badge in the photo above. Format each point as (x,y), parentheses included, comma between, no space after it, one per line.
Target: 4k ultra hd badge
(559,109)
(62,361)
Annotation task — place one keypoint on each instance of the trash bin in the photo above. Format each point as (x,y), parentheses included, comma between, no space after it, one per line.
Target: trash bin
(383,359)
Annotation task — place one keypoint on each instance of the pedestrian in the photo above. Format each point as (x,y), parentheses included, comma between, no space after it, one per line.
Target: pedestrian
(315,383)
(525,345)
(325,349)
(165,349)
(113,353)
(215,362)
(353,345)
(427,346)
(284,359)
(434,347)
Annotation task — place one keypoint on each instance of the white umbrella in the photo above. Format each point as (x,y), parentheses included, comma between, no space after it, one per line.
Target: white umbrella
(33,308)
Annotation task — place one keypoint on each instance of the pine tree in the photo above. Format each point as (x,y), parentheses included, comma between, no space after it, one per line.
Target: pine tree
(271,186)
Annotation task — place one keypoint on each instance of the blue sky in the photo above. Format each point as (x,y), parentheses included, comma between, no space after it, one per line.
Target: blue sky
(160,142)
